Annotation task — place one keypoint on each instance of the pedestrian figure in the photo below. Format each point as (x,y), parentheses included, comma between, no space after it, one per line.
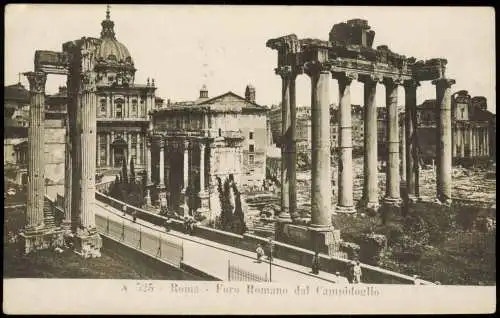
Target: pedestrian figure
(315,263)
(124,209)
(191,226)
(357,273)
(134,215)
(260,253)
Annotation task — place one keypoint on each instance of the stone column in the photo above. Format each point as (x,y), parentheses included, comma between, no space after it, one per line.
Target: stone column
(402,152)
(345,168)
(129,147)
(204,195)
(412,166)
(392,182)
(453,143)
(111,154)
(98,151)
(370,191)
(487,142)
(137,149)
(462,142)
(68,174)
(292,157)
(184,194)
(320,120)
(161,184)
(88,137)
(443,149)
(285,72)
(148,161)
(108,149)
(36,156)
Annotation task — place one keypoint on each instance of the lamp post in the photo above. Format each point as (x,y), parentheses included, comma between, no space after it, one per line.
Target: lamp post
(271,245)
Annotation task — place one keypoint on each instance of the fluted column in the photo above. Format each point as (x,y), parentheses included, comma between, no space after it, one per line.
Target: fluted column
(162,164)
(98,151)
(443,146)
(370,186)
(402,150)
(393,181)
(148,161)
(185,195)
(487,142)
(202,167)
(412,166)
(36,133)
(88,142)
(345,168)
(292,167)
(137,149)
(320,171)
(285,72)
(68,174)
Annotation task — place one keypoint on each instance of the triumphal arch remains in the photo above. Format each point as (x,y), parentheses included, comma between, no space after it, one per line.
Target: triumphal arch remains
(348,56)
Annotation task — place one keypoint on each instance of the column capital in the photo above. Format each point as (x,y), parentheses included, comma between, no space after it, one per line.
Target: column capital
(446,82)
(373,78)
(161,143)
(88,81)
(285,71)
(202,145)
(413,83)
(393,81)
(186,144)
(37,81)
(315,68)
(345,77)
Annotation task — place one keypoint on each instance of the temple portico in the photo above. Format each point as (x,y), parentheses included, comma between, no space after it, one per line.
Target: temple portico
(186,170)
(341,58)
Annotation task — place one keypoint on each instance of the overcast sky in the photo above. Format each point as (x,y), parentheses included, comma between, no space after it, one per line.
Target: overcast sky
(183,47)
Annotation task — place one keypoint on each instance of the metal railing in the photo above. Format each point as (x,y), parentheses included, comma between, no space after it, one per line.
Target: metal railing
(133,235)
(235,273)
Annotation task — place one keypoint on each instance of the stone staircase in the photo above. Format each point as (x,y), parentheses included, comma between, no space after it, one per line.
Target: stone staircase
(48,214)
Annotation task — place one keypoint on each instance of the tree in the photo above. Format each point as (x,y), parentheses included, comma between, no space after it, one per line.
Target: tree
(124,171)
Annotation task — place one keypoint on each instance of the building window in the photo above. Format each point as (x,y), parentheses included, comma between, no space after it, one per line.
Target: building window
(250,135)
(111,79)
(134,105)
(251,159)
(251,148)
(103,105)
(220,132)
(119,110)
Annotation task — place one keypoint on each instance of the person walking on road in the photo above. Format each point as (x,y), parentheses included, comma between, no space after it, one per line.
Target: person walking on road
(124,209)
(260,253)
(357,273)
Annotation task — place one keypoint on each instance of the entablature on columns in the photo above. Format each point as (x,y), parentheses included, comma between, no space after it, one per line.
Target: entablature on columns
(349,49)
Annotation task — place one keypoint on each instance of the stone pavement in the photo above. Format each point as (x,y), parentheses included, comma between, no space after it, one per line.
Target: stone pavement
(213,258)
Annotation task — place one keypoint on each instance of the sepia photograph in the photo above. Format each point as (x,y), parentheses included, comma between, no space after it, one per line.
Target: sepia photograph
(235,159)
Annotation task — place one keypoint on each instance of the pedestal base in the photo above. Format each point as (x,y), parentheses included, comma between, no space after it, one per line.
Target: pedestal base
(393,201)
(345,209)
(281,233)
(66,227)
(184,206)
(325,240)
(41,239)
(87,245)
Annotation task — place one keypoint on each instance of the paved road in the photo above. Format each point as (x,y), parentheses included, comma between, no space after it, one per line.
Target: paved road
(212,258)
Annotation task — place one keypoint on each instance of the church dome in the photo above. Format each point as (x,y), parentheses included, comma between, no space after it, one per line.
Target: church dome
(111,51)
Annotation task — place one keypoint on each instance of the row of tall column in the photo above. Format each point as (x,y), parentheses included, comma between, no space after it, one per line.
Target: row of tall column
(185,181)
(320,120)
(109,137)
(475,139)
